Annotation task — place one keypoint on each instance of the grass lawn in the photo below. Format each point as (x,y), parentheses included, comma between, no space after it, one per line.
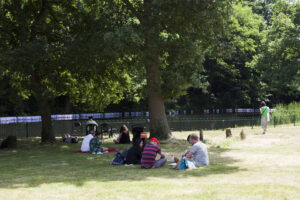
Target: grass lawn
(260,167)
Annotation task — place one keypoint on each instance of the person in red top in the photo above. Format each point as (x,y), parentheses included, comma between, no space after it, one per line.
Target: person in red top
(149,155)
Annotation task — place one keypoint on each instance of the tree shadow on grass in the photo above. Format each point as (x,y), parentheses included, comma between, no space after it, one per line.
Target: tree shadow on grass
(32,165)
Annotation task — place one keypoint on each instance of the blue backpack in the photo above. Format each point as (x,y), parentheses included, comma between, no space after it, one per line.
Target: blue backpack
(118,160)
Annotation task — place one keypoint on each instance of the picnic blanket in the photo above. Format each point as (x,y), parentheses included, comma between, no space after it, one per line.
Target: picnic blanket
(109,151)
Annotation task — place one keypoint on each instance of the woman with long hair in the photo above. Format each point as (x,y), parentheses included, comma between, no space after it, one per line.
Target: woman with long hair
(123,137)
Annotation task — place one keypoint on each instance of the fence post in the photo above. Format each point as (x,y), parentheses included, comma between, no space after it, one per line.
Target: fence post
(223,124)
(274,121)
(201,135)
(294,120)
(252,119)
(26,129)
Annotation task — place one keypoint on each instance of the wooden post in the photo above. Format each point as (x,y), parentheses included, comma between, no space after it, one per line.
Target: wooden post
(228,132)
(242,135)
(201,135)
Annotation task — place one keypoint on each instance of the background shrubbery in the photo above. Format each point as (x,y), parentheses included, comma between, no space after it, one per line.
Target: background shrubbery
(285,114)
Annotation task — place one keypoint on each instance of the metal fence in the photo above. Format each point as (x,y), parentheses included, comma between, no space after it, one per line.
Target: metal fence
(177,123)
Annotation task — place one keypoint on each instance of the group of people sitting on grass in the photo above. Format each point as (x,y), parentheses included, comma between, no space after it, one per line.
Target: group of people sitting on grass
(93,143)
(143,152)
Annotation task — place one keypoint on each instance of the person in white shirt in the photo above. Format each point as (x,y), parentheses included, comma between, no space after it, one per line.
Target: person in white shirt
(198,153)
(85,146)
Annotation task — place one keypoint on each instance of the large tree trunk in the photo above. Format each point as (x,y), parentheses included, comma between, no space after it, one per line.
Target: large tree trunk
(44,108)
(67,104)
(47,130)
(159,126)
(158,121)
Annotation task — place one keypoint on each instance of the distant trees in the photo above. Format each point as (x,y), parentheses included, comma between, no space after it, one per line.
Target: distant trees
(279,60)
(260,60)
(232,81)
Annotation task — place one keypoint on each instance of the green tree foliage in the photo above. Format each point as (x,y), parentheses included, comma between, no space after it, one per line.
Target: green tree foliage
(30,49)
(279,61)
(261,60)
(47,51)
(167,41)
(232,81)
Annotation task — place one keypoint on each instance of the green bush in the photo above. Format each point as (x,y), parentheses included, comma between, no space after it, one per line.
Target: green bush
(284,114)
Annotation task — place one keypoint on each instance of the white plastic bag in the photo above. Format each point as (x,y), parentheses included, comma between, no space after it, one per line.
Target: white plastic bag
(190,164)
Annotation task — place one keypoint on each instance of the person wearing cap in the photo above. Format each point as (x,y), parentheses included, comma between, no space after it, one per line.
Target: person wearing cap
(198,153)
(149,155)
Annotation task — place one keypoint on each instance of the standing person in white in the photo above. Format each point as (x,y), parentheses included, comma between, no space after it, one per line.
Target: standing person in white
(264,111)
(85,146)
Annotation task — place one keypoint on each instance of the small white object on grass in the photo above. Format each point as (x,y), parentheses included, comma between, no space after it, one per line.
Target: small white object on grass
(173,164)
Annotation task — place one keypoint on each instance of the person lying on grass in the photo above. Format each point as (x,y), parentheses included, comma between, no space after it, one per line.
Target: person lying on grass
(96,144)
(67,138)
(198,153)
(149,155)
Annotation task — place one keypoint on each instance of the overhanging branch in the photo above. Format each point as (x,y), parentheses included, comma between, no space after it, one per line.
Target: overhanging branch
(41,16)
(132,9)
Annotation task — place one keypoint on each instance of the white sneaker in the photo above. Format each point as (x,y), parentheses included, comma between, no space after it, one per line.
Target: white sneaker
(94,153)
(99,153)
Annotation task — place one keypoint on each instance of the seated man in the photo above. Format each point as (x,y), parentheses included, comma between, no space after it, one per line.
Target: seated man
(198,153)
(85,146)
(149,154)
(96,144)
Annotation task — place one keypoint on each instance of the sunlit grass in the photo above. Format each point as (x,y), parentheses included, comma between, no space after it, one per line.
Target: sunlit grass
(260,167)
